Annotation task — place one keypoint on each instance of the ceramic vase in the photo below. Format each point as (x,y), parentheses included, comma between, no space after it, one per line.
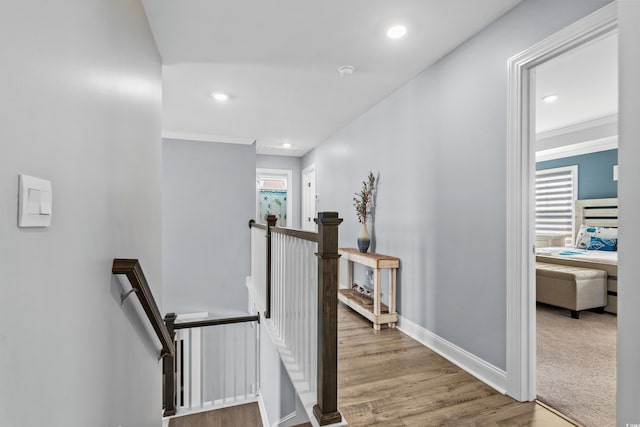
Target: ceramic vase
(363,239)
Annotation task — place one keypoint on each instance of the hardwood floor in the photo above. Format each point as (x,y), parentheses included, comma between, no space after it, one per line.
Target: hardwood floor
(386,378)
(247,415)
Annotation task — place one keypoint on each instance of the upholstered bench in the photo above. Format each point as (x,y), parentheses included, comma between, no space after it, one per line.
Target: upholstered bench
(574,288)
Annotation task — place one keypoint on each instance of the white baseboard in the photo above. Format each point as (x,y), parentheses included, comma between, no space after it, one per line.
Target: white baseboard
(285,419)
(484,371)
(263,411)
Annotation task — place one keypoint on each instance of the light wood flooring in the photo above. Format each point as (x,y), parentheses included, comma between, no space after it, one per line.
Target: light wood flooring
(386,378)
(247,415)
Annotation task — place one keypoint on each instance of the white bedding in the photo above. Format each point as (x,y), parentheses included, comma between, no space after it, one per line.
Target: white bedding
(604,257)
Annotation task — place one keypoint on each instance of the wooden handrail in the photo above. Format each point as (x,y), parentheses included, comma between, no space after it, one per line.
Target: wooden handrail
(215,322)
(132,269)
(254,224)
(311,236)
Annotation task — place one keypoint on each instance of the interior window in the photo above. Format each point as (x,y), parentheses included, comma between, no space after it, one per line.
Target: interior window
(556,192)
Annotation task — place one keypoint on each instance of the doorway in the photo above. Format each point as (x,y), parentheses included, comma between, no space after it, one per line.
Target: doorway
(274,195)
(575,116)
(309,198)
(520,245)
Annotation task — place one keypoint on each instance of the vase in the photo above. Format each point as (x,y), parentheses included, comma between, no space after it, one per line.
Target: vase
(363,239)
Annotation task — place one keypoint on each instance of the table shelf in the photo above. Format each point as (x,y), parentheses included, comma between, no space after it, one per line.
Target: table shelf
(377,312)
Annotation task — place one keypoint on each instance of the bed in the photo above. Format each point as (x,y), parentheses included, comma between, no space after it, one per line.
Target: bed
(597,213)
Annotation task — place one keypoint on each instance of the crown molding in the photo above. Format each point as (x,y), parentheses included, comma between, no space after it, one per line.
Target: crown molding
(205,137)
(588,147)
(579,127)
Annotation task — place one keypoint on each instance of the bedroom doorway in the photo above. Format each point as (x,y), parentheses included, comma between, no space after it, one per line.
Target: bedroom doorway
(575,190)
(521,240)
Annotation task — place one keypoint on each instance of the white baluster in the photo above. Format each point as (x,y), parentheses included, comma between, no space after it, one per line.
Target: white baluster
(279,284)
(224,363)
(235,364)
(256,360)
(300,286)
(186,361)
(246,358)
(214,374)
(196,367)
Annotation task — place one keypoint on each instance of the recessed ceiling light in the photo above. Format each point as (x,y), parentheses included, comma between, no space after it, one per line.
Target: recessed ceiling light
(550,98)
(286,145)
(219,96)
(396,32)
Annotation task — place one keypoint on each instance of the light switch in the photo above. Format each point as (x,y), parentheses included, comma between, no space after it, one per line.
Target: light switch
(45,203)
(35,200)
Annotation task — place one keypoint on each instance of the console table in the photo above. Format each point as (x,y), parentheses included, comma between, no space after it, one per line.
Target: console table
(376,312)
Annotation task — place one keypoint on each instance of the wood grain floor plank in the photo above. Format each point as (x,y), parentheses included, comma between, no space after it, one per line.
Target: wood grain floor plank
(247,415)
(386,378)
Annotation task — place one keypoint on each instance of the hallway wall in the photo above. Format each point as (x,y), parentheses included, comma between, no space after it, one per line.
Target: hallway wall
(439,145)
(208,199)
(80,106)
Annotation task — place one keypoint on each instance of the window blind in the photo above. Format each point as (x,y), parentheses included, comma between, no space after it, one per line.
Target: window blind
(556,192)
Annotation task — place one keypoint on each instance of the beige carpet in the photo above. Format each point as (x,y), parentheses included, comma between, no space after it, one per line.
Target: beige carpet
(577,364)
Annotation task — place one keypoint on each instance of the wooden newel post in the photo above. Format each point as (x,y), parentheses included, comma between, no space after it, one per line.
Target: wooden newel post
(326,411)
(271,222)
(169,373)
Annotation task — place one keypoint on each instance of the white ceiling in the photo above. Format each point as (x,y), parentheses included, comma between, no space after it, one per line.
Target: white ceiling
(278,61)
(586,81)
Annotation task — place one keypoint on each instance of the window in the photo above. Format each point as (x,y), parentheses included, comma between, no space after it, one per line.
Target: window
(274,196)
(556,192)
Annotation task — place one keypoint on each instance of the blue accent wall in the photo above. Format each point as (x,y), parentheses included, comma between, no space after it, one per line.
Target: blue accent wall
(595,173)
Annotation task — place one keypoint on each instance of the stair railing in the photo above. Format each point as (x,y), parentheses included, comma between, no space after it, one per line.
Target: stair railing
(217,361)
(296,289)
(133,271)
(186,373)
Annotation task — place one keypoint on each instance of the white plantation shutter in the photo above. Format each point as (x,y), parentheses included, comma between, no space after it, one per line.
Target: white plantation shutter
(556,192)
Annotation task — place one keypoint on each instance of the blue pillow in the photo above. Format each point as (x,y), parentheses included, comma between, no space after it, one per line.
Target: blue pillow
(601,244)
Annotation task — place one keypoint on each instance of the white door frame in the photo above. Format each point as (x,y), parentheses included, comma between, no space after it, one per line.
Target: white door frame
(521,299)
(304,224)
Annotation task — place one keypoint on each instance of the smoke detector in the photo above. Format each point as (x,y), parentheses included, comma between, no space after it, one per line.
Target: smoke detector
(346,70)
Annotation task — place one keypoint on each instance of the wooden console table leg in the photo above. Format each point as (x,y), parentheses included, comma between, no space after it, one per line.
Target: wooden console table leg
(392,294)
(376,298)
(349,274)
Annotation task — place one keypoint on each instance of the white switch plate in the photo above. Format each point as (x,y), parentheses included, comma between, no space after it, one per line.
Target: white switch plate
(35,200)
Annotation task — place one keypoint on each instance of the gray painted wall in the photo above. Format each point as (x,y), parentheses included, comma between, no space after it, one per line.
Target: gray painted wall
(81,106)
(278,393)
(291,163)
(595,173)
(208,199)
(439,145)
(629,269)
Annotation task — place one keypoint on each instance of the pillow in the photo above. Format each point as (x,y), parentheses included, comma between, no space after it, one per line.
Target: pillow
(588,232)
(584,236)
(580,235)
(602,244)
